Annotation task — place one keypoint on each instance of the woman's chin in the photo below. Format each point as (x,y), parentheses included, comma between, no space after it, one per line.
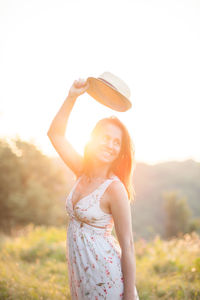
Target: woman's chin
(104,159)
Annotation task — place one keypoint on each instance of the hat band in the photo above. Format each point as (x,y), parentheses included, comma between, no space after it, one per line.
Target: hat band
(108,83)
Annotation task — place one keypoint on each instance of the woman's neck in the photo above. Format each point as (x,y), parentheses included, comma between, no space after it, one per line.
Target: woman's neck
(100,172)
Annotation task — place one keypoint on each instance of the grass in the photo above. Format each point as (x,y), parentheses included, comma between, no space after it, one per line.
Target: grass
(33,266)
(169,269)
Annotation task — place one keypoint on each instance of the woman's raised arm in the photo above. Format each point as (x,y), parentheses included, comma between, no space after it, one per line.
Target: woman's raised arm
(57,130)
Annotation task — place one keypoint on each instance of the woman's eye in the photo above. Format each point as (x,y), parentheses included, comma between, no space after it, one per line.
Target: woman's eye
(105,138)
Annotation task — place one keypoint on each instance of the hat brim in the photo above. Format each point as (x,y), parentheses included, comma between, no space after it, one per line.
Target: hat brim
(107,95)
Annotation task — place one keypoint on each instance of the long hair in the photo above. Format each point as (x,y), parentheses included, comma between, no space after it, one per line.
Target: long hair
(124,164)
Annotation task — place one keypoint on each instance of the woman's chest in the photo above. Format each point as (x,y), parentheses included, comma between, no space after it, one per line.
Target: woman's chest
(90,194)
(81,191)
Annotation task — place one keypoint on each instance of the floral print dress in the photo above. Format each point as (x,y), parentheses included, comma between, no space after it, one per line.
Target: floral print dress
(93,253)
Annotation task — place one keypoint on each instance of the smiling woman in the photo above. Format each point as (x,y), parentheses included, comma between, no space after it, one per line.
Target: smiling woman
(99,266)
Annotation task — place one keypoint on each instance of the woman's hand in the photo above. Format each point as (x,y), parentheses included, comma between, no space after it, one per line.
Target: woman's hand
(78,87)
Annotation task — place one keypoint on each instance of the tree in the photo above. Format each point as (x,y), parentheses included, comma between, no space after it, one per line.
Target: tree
(31,186)
(177,215)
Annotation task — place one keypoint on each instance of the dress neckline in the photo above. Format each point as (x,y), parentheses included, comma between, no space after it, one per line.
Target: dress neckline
(73,205)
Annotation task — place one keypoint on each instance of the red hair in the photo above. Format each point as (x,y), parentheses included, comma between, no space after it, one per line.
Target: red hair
(123,166)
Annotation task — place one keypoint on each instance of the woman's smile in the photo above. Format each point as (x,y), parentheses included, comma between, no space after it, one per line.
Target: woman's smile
(106,153)
(109,152)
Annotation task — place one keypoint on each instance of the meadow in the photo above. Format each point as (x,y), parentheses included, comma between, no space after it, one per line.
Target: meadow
(33,266)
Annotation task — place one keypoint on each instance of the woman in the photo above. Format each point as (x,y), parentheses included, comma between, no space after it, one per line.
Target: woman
(98,266)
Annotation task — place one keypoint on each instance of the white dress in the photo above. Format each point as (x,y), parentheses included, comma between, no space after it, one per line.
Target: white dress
(93,254)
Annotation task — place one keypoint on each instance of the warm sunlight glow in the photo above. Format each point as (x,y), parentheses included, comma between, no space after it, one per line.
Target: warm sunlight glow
(160,64)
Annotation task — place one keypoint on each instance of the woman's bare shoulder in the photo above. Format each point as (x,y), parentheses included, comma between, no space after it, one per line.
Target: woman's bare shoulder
(117,190)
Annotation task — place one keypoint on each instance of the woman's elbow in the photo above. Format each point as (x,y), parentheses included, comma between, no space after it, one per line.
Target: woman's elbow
(128,245)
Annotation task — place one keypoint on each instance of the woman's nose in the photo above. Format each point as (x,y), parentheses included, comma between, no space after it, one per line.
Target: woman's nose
(109,144)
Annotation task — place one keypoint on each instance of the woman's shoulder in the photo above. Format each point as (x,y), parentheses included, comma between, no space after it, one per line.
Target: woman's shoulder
(116,186)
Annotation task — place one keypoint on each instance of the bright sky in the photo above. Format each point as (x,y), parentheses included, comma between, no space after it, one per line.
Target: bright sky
(154,46)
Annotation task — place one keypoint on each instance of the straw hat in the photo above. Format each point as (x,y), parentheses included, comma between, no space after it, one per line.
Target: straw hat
(110,90)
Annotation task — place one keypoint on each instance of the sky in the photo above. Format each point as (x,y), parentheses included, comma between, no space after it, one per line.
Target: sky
(152,45)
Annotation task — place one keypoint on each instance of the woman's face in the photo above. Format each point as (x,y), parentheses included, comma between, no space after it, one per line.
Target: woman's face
(106,145)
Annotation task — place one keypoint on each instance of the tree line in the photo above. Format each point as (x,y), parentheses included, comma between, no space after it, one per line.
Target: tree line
(33,188)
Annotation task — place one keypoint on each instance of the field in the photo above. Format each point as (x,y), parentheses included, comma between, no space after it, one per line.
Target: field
(33,266)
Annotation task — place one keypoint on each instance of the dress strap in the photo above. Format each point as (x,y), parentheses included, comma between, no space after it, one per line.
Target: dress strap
(104,186)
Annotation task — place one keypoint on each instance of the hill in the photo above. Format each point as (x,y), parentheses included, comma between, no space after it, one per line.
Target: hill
(151,182)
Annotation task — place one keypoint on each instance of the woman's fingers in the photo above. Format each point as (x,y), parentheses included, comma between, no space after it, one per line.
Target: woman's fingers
(79,87)
(80,82)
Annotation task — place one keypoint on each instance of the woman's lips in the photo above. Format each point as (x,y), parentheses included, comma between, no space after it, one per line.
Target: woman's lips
(107,152)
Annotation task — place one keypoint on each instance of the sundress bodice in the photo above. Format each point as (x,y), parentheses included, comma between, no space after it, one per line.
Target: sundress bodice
(88,209)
